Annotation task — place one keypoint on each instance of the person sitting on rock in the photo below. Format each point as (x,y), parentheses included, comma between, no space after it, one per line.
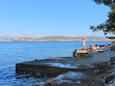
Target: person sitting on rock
(92,48)
(97,46)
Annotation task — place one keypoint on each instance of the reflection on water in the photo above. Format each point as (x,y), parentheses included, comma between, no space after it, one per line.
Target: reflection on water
(14,52)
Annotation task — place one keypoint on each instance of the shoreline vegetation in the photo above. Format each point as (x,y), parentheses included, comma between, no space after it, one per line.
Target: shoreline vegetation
(52,38)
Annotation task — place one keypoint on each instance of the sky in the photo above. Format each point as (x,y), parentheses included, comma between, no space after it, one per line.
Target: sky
(50,17)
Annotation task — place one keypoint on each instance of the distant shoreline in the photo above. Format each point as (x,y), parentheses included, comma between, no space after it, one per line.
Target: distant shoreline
(51,38)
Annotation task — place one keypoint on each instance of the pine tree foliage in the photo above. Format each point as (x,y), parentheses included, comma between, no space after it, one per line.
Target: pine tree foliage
(109,25)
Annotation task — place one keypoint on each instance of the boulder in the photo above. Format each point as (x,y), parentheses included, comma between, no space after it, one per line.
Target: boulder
(109,78)
(77,82)
(74,79)
(101,65)
(112,47)
(112,83)
(112,60)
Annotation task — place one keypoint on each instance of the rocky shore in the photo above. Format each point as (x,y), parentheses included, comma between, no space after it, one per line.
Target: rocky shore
(98,70)
(103,74)
(100,74)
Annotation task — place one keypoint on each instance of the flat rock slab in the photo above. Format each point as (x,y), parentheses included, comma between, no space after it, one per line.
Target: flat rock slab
(59,65)
(52,66)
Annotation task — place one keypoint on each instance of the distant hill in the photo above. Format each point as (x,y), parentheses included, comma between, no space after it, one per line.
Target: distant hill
(53,38)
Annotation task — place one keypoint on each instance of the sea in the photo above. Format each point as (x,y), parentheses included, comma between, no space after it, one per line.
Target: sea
(15,52)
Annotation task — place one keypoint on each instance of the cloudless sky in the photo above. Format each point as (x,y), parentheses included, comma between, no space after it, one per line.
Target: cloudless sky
(51,17)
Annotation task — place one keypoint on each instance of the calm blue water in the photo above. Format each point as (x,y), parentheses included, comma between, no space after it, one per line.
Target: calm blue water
(13,52)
